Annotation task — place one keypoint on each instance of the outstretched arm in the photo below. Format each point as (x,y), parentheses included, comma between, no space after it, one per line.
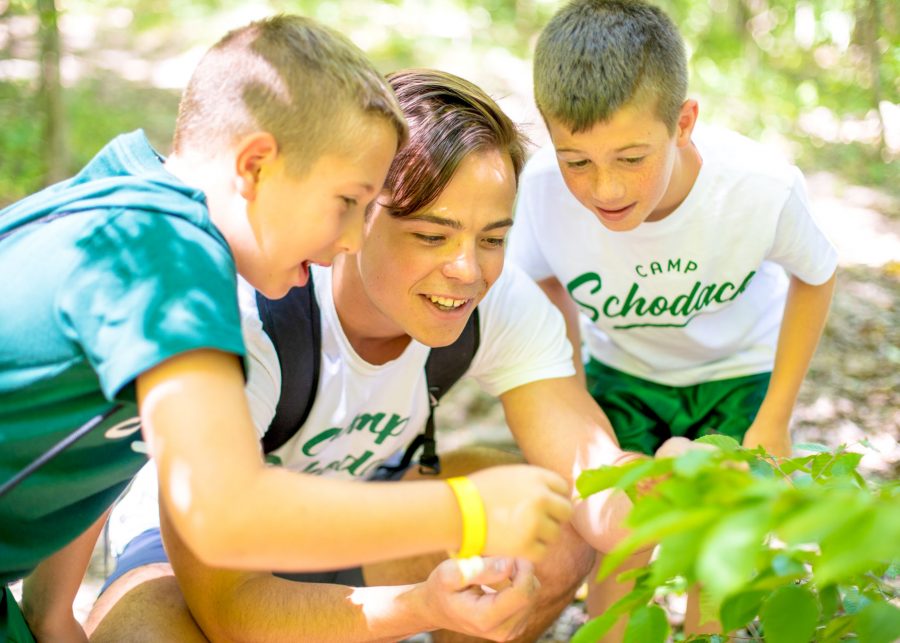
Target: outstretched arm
(49,591)
(233,605)
(235,512)
(558,425)
(804,318)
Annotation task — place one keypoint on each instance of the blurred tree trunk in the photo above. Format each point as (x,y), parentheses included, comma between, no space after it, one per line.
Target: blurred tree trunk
(868,21)
(50,97)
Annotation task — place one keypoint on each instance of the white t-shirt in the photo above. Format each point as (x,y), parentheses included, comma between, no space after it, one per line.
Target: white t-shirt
(697,296)
(365,413)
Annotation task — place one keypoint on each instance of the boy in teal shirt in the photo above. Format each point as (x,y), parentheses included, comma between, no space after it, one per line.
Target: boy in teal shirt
(701,277)
(121,320)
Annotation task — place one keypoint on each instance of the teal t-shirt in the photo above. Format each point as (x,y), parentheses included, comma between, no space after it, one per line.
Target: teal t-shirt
(91,300)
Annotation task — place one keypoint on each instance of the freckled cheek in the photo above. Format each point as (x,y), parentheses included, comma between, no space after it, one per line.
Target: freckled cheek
(580,187)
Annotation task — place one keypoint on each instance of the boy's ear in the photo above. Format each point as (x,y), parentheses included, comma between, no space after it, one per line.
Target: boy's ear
(687,118)
(254,156)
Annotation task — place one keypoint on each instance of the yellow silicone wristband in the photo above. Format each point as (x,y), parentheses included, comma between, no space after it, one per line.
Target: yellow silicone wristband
(474,520)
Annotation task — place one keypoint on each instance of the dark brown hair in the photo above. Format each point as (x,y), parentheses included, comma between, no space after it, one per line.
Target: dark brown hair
(302,82)
(449,118)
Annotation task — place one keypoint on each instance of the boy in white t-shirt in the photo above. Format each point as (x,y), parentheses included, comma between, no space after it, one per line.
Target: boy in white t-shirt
(672,242)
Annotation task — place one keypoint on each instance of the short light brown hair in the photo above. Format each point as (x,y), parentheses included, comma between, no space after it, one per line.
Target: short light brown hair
(596,56)
(449,118)
(290,76)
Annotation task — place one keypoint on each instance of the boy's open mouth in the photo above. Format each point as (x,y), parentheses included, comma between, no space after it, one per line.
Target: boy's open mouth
(446,303)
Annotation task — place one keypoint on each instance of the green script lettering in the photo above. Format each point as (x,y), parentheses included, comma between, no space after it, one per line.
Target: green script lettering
(630,303)
(681,305)
(395,422)
(674,265)
(720,293)
(579,281)
(744,284)
(612,299)
(691,266)
(325,436)
(360,422)
(658,306)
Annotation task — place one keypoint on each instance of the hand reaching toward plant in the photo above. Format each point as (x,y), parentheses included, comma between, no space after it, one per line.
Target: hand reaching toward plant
(525,507)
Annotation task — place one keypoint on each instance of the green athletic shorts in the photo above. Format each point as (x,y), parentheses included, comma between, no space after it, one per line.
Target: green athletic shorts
(645,414)
(13,628)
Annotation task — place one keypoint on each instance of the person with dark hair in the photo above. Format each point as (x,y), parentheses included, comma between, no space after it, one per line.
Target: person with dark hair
(702,279)
(432,256)
(121,322)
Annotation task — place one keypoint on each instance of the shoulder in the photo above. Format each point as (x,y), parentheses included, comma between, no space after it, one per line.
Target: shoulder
(737,159)
(514,297)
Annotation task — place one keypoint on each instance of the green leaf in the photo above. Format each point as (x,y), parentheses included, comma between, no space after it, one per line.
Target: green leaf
(654,530)
(878,623)
(785,565)
(739,609)
(596,480)
(676,556)
(821,517)
(723,442)
(647,624)
(871,539)
(693,462)
(815,447)
(854,601)
(837,628)
(728,554)
(594,629)
(845,464)
(790,615)
(830,601)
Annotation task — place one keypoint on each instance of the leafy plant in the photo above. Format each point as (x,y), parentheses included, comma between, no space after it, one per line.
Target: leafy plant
(788,550)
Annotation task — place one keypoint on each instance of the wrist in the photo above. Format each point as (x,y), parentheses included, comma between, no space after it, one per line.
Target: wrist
(472,515)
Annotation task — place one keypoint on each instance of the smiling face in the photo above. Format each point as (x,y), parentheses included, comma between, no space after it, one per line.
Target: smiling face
(629,169)
(295,221)
(422,275)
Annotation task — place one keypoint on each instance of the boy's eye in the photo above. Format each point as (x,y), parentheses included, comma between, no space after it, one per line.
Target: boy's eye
(428,238)
(349,201)
(633,160)
(577,164)
(495,242)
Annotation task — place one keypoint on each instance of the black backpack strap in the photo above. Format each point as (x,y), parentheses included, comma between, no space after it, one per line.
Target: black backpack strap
(443,369)
(294,326)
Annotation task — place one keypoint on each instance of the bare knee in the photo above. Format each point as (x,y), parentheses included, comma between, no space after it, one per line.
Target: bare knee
(146,606)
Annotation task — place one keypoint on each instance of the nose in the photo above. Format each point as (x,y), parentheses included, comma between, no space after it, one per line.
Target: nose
(351,236)
(607,187)
(463,264)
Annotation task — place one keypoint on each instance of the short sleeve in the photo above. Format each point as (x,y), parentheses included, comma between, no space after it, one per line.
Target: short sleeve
(146,287)
(523,336)
(800,246)
(263,385)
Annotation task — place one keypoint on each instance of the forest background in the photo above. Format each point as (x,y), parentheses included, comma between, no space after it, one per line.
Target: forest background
(817,79)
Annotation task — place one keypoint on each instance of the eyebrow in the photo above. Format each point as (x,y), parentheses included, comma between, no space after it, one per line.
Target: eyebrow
(618,149)
(456,225)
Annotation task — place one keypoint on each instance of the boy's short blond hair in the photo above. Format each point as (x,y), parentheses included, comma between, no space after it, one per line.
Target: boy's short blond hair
(596,56)
(292,77)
